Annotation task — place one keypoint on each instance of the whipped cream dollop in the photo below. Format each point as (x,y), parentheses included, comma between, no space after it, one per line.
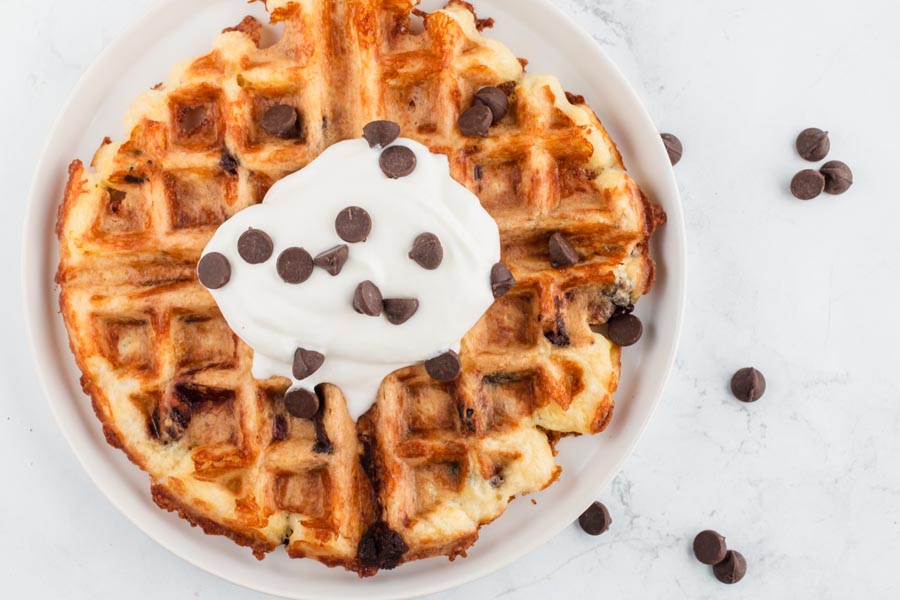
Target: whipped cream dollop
(276,318)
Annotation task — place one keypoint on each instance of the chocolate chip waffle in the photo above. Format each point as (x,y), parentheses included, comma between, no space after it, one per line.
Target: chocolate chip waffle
(431,462)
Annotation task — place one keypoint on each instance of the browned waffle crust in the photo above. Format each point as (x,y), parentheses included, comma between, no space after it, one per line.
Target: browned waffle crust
(431,462)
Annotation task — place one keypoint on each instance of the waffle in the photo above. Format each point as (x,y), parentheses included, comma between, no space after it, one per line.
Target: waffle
(431,462)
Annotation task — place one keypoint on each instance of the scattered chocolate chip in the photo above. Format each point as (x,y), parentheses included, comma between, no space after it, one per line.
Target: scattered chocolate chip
(380,134)
(813,144)
(367,299)
(397,161)
(624,330)
(228,163)
(574,98)
(807,184)
(427,251)
(400,310)
(562,254)
(255,246)
(475,121)
(502,280)
(445,367)
(214,270)
(595,520)
(306,362)
(496,481)
(381,547)
(333,260)
(191,118)
(280,121)
(838,177)
(709,547)
(748,385)
(129,178)
(294,265)
(478,172)
(732,569)
(301,403)
(673,147)
(353,224)
(494,99)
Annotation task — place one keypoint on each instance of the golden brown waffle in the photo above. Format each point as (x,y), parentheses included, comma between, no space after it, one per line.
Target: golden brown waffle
(431,462)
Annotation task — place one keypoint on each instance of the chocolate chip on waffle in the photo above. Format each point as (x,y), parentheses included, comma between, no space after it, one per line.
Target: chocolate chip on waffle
(432,461)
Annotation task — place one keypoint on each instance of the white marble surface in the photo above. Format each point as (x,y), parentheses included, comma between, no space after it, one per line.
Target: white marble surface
(805,482)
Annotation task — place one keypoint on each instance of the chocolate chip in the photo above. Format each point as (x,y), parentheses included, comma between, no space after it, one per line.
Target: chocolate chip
(400,310)
(294,265)
(427,251)
(367,299)
(595,520)
(333,260)
(353,224)
(191,118)
(673,147)
(475,121)
(732,569)
(562,254)
(813,144)
(709,547)
(838,177)
(397,161)
(379,134)
(255,246)
(228,163)
(494,99)
(445,367)
(574,98)
(502,280)
(381,547)
(214,270)
(301,403)
(280,121)
(137,179)
(807,184)
(748,385)
(306,362)
(624,330)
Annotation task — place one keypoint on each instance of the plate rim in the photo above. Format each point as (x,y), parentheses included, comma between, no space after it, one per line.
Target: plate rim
(40,331)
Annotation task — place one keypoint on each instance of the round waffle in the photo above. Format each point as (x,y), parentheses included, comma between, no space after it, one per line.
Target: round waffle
(431,462)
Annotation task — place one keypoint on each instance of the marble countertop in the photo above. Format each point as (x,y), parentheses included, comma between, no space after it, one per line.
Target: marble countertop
(804,482)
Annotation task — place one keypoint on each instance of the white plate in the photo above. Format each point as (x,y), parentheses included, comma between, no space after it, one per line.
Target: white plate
(176,30)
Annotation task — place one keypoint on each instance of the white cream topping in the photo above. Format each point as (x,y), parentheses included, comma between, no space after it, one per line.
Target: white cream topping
(275,318)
